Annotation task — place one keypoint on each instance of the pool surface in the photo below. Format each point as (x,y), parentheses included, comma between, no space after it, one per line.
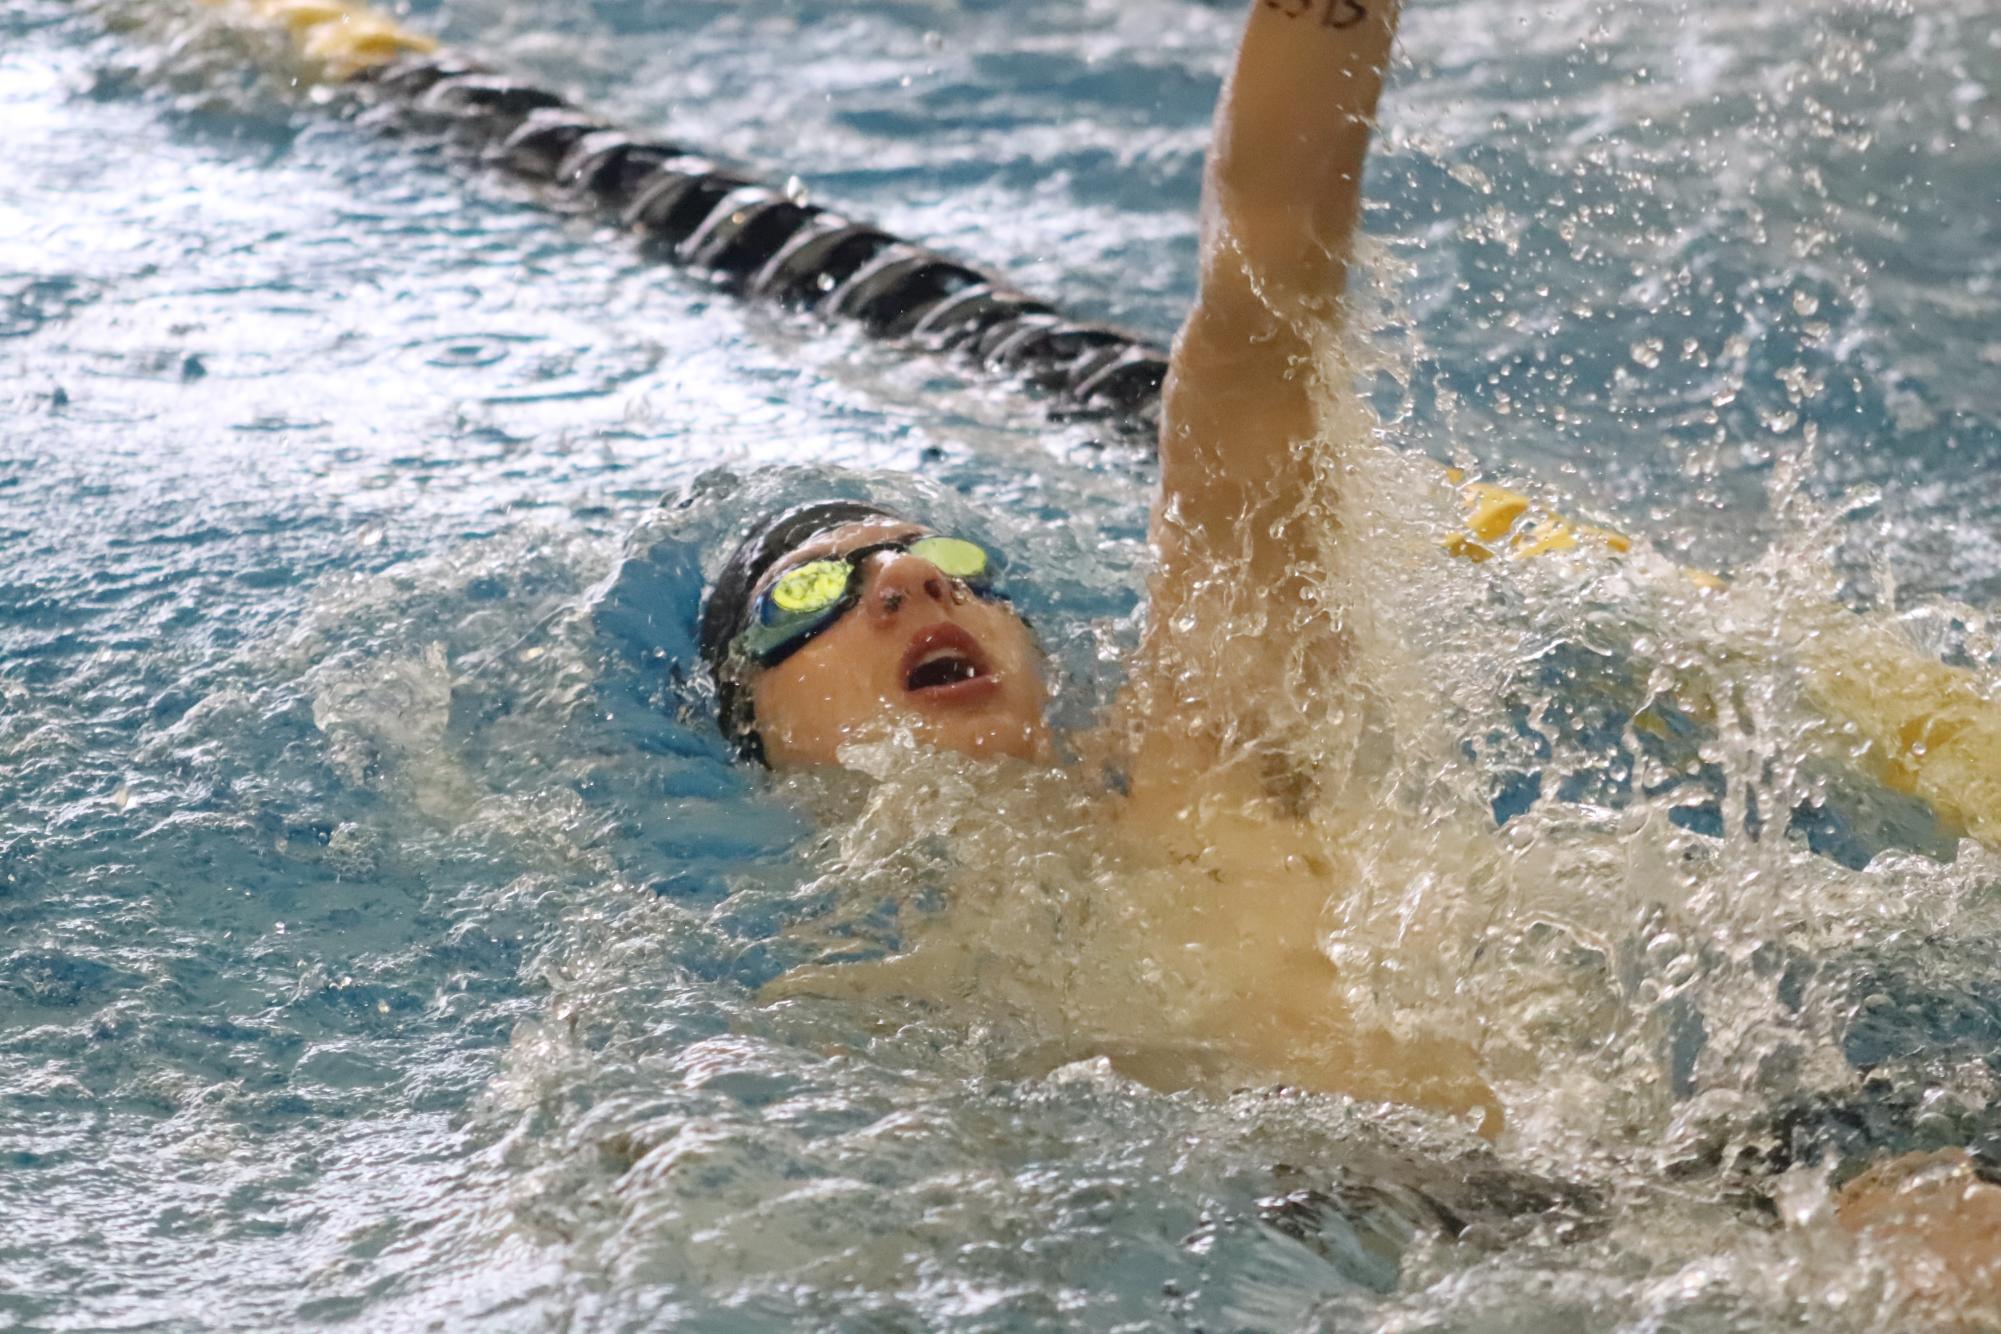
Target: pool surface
(382,926)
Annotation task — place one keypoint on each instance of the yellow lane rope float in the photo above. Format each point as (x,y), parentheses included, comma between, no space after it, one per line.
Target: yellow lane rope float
(333,41)
(1924,728)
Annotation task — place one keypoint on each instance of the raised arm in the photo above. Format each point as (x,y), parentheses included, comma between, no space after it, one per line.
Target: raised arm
(1280,206)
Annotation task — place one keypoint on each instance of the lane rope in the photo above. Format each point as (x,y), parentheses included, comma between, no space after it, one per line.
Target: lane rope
(741,232)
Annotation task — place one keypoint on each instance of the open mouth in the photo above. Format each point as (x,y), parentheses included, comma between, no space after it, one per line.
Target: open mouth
(944,661)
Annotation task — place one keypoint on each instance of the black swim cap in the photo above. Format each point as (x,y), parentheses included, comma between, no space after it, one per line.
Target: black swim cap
(727,606)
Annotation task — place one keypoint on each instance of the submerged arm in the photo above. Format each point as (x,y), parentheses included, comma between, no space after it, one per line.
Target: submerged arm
(1281,202)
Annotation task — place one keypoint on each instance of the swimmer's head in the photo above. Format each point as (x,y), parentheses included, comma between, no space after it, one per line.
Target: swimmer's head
(839,621)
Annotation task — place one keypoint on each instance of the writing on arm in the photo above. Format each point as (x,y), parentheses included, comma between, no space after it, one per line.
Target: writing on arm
(1333,13)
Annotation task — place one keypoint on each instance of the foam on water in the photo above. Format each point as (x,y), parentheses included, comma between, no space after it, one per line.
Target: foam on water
(388,939)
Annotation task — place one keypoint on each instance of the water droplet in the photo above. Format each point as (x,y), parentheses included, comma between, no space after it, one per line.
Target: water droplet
(1680,971)
(1647,352)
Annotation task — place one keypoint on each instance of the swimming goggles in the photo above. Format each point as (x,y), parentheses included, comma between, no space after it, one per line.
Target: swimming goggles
(809,598)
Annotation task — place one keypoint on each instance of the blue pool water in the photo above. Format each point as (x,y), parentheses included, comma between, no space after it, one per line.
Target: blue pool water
(380,929)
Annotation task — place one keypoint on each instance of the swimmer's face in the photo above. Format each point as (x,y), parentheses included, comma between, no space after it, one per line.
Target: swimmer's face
(917,651)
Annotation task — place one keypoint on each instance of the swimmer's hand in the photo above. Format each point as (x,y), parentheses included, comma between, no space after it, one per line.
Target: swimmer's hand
(1939,1219)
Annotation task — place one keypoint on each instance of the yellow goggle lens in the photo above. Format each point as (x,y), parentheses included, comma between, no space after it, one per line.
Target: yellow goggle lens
(812,587)
(952,555)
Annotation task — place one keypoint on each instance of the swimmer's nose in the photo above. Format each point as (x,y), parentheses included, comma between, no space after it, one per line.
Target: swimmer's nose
(899,579)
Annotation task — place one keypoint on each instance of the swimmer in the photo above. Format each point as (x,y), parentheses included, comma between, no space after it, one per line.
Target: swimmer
(837,624)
